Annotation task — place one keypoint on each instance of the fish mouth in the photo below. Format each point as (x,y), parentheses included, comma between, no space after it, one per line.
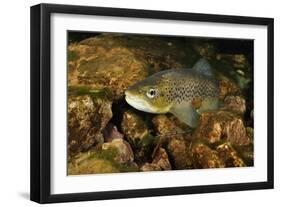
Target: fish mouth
(138,103)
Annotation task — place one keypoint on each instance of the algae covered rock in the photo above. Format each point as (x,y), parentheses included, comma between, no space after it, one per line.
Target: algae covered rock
(92,166)
(124,151)
(101,67)
(112,157)
(86,120)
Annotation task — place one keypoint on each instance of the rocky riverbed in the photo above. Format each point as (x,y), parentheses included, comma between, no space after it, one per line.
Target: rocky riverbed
(106,135)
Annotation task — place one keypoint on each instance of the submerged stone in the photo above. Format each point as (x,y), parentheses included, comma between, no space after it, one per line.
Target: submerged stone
(124,151)
(136,131)
(160,162)
(112,157)
(205,157)
(221,126)
(236,104)
(110,132)
(177,139)
(134,127)
(229,155)
(86,120)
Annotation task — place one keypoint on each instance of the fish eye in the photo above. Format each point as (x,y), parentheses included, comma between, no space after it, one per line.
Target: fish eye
(151,93)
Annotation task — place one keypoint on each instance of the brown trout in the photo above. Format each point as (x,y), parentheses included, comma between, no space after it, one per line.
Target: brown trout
(177,91)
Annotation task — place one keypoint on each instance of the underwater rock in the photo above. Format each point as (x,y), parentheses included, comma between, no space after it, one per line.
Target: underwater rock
(115,61)
(92,166)
(160,162)
(165,126)
(222,126)
(150,167)
(124,151)
(227,87)
(112,157)
(111,132)
(205,157)
(247,151)
(99,67)
(178,140)
(136,131)
(86,120)
(179,153)
(229,156)
(222,138)
(235,104)
(134,127)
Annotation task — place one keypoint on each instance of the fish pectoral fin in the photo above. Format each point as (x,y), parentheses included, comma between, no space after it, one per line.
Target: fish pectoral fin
(186,113)
(210,104)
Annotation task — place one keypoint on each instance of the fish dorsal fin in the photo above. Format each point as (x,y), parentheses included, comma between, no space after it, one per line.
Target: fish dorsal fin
(202,66)
(186,113)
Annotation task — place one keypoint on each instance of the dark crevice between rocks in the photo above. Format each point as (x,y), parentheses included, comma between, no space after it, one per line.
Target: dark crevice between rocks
(144,148)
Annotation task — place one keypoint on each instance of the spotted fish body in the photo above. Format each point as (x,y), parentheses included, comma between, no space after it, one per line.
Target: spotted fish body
(184,86)
(176,91)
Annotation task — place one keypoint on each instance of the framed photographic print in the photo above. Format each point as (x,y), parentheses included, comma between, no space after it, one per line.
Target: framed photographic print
(132,103)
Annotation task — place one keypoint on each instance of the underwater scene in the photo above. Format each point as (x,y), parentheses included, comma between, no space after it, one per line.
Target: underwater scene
(152,103)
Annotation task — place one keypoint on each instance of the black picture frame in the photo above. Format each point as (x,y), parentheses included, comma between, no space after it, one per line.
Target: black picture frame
(41,96)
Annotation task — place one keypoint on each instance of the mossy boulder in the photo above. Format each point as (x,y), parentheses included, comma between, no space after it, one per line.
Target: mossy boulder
(87,117)
(124,151)
(92,166)
(110,158)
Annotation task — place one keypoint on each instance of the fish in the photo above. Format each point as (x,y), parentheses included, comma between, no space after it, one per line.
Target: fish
(186,93)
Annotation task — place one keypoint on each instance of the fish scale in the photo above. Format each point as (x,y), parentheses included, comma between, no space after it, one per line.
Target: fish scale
(189,88)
